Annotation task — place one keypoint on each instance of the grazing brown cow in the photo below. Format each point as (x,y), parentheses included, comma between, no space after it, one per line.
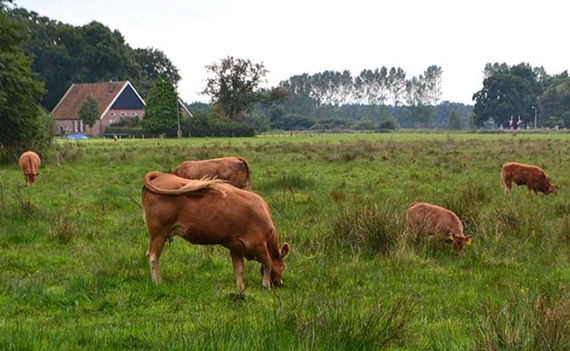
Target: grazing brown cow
(234,170)
(521,174)
(211,212)
(427,219)
(29,163)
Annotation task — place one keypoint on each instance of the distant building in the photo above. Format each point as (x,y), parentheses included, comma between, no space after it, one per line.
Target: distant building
(115,100)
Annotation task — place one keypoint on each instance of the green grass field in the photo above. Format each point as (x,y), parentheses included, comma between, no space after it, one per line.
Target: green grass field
(74,276)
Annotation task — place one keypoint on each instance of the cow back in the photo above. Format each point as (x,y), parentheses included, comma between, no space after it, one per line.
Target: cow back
(208,212)
(432,219)
(235,170)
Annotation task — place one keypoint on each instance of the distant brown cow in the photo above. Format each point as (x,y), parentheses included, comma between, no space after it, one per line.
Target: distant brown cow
(426,219)
(211,212)
(29,163)
(521,174)
(234,170)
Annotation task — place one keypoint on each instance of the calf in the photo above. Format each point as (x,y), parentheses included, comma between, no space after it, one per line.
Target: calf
(426,219)
(235,170)
(522,174)
(29,163)
(211,212)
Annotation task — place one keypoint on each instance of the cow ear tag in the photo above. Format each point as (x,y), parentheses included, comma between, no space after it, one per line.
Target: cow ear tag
(450,237)
(468,242)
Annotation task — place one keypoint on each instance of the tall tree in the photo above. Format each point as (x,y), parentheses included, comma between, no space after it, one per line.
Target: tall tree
(161,112)
(153,63)
(371,87)
(554,102)
(89,111)
(23,124)
(397,85)
(55,49)
(235,85)
(433,84)
(507,93)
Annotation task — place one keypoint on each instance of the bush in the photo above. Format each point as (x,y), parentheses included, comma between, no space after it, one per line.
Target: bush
(210,127)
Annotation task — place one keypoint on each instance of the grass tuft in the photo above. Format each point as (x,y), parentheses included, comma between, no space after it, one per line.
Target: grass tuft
(367,229)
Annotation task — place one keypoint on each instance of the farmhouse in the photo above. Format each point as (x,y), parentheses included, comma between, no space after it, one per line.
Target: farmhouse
(115,100)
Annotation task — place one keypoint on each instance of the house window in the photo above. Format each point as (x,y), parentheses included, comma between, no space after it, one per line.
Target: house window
(123,114)
(134,114)
(78,126)
(112,121)
(111,113)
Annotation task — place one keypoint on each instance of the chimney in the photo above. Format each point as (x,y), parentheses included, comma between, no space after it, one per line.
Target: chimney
(111,86)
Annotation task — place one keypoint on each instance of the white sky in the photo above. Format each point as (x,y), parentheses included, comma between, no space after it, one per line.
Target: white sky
(310,36)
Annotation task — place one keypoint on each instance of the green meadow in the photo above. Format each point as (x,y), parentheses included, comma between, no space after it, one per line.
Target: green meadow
(74,276)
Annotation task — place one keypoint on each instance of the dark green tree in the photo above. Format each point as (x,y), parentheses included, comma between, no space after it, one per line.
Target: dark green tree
(235,85)
(153,63)
(23,123)
(301,99)
(507,93)
(553,103)
(55,49)
(161,112)
(89,111)
(106,56)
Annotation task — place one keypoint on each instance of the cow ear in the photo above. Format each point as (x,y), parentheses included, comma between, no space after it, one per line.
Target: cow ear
(284,249)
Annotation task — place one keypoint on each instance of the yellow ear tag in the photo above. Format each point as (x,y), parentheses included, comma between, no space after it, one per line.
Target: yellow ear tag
(450,237)
(468,242)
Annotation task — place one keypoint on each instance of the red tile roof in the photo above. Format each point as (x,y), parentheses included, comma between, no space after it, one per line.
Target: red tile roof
(76,95)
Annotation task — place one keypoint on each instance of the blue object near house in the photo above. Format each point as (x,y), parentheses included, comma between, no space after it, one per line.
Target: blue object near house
(76,136)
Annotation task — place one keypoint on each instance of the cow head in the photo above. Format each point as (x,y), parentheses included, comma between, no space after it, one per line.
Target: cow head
(278,266)
(30,178)
(544,186)
(458,241)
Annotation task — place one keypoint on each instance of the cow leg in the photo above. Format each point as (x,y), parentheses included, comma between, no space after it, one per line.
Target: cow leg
(155,247)
(265,261)
(266,280)
(237,261)
(508,188)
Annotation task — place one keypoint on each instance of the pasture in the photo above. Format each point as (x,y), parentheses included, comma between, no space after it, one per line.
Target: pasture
(74,276)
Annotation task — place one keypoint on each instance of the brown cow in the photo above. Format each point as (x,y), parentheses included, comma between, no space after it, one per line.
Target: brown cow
(211,212)
(234,170)
(29,163)
(521,174)
(423,218)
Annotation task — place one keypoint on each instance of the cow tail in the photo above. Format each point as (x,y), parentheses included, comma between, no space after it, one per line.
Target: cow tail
(31,166)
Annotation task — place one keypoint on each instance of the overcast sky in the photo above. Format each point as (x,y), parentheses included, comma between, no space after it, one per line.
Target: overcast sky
(310,36)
